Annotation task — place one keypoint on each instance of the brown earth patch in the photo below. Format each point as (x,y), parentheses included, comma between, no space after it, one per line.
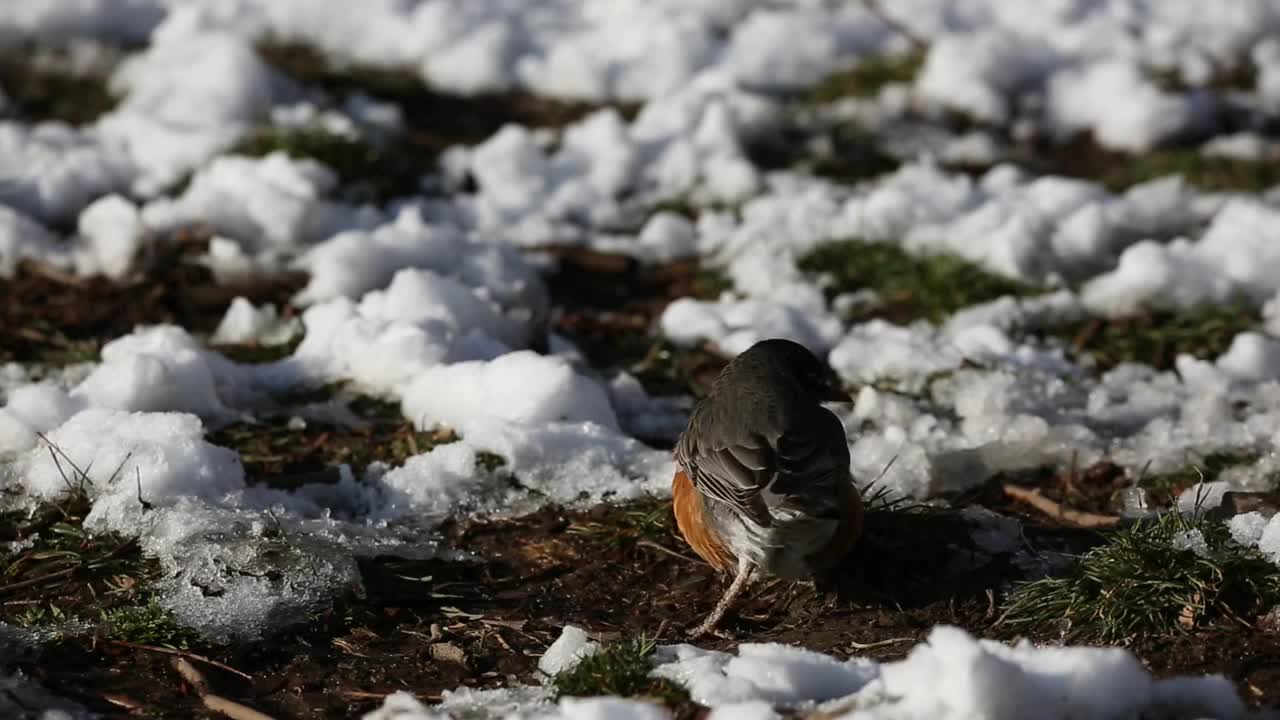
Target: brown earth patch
(54,317)
(619,572)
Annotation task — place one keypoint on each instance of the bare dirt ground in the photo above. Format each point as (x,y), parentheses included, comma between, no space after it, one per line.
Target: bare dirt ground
(618,571)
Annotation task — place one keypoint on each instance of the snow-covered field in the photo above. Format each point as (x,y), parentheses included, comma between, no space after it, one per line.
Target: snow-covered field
(431,299)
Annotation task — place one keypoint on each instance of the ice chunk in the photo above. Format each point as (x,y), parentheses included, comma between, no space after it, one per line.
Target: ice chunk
(567,651)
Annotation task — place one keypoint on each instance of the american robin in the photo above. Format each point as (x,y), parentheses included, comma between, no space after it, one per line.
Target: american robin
(762,482)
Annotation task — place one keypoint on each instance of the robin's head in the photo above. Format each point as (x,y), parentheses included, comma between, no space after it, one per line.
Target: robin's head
(795,361)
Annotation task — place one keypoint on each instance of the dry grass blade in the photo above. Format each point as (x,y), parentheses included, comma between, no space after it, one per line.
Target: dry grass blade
(181,653)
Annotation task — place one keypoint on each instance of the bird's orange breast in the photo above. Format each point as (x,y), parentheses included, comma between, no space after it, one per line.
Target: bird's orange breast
(687,504)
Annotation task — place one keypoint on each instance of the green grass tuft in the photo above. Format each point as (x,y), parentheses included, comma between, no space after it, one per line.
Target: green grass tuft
(41,91)
(868,77)
(1139,584)
(258,353)
(1156,338)
(910,287)
(1204,172)
(365,169)
(147,624)
(620,669)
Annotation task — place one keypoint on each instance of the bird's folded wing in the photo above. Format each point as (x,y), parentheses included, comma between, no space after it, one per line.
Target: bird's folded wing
(740,471)
(734,475)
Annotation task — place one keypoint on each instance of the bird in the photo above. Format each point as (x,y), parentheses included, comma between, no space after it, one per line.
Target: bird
(762,486)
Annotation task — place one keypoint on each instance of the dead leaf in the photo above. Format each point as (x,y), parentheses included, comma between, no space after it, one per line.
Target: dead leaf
(448,652)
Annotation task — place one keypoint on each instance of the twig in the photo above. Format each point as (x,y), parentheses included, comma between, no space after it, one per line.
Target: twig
(878,644)
(63,473)
(873,7)
(366,695)
(655,546)
(124,701)
(1035,499)
(138,476)
(232,709)
(191,675)
(37,580)
(181,653)
(119,467)
(216,703)
(129,543)
(52,274)
(52,448)
(1073,475)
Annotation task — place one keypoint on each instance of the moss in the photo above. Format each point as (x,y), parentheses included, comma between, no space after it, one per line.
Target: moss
(868,77)
(367,171)
(1156,338)
(1206,173)
(41,91)
(909,287)
(147,624)
(619,669)
(63,570)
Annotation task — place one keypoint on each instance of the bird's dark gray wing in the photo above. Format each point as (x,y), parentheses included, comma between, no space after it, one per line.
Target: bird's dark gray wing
(730,461)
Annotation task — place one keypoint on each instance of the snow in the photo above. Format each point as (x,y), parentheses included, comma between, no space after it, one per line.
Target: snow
(51,170)
(949,675)
(114,233)
(567,651)
(1080,99)
(778,674)
(522,388)
(735,325)
(160,456)
(273,202)
(22,237)
(244,323)
(431,303)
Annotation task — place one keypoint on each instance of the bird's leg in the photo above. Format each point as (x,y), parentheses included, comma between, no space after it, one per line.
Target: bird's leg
(745,569)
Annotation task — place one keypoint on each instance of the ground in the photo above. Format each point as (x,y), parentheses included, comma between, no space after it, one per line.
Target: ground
(620,571)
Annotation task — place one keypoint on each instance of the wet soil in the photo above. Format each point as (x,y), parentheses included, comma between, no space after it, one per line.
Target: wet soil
(617,571)
(54,317)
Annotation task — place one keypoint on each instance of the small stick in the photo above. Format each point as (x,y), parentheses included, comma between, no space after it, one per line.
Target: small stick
(37,580)
(232,709)
(878,644)
(216,703)
(1053,509)
(655,546)
(60,451)
(873,7)
(123,701)
(191,675)
(138,476)
(181,653)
